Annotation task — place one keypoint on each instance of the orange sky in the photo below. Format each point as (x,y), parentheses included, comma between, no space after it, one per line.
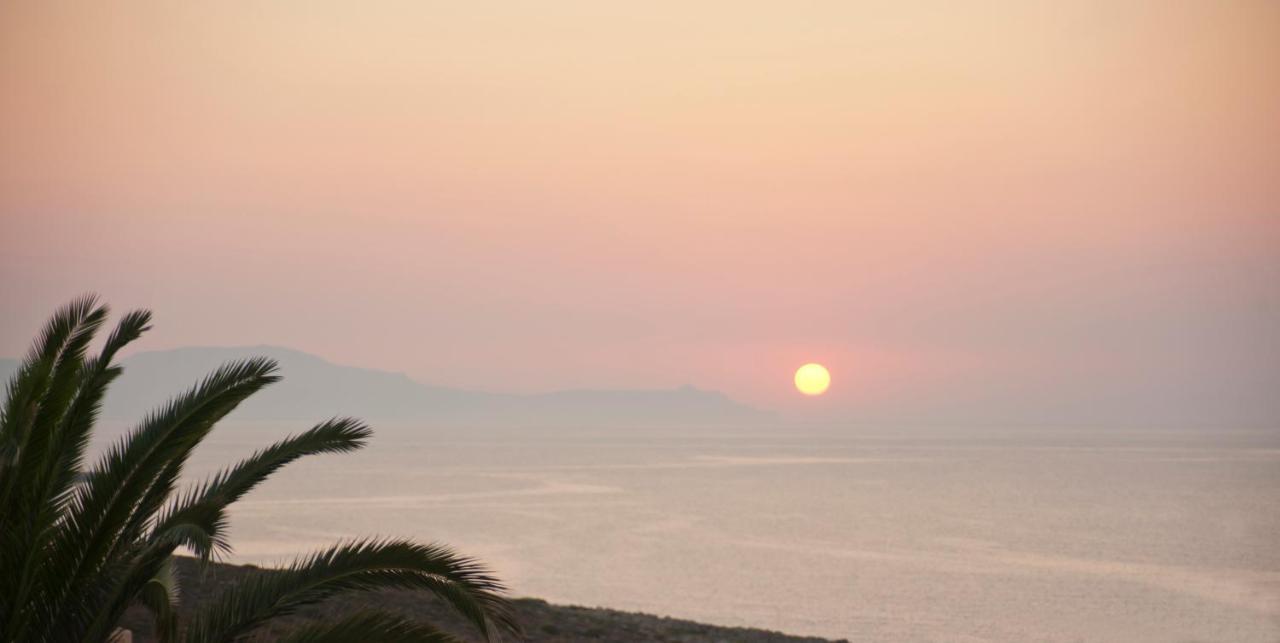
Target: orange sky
(986,210)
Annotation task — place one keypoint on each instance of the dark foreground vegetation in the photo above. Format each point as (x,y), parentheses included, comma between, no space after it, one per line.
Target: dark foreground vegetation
(542,621)
(81,543)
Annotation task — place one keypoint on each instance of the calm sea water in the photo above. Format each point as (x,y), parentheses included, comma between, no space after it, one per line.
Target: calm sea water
(864,534)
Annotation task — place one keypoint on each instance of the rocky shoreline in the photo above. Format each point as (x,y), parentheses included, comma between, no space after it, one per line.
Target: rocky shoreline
(542,621)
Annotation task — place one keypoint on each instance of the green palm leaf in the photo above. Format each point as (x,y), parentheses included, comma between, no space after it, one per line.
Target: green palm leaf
(203,507)
(132,480)
(30,448)
(78,547)
(364,565)
(371,625)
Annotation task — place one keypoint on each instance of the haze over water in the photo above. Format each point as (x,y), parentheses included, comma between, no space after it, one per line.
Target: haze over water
(868,534)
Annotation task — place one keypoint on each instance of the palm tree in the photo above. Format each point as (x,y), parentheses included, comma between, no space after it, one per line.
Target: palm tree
(80,544)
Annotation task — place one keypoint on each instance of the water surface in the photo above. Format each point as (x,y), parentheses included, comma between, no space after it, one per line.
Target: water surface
(866,534)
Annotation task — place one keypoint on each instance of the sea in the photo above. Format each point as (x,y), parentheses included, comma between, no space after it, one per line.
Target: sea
(861,533)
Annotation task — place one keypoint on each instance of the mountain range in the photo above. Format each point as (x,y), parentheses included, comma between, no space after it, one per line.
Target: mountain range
(313,388)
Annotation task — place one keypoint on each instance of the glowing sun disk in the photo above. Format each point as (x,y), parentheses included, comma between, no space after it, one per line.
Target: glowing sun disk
(812,379)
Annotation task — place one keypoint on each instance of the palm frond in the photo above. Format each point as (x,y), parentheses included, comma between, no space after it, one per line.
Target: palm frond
(52,363)
(40,395)
(199,514)
(107,594)
(160,594)
(28,385)
(201,525)
(370,625)
(72,436)
(134,477)
(39,454)
(65,451)
(358,566)
(78,548)
(65,377)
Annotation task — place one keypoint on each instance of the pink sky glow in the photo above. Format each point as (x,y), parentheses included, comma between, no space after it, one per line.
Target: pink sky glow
(990,211)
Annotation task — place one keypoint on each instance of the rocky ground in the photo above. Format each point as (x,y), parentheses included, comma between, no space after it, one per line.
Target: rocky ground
(542,621)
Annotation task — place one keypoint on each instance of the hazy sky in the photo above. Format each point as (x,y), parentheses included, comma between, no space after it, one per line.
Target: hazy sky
(1044,211)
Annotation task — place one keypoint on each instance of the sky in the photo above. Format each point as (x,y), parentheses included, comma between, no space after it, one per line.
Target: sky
(983,212)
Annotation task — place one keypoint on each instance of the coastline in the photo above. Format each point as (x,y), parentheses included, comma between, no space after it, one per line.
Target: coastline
(542,621)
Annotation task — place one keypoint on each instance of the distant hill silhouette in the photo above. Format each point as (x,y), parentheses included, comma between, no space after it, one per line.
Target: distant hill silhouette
(314,388)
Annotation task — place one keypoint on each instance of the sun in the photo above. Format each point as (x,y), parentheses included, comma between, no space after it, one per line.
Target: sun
(812,379)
